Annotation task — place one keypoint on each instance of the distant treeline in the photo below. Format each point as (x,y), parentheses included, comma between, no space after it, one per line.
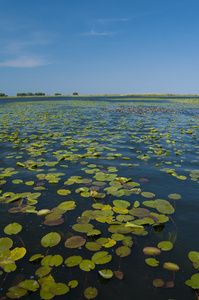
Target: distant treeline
(30,94)
(3,95)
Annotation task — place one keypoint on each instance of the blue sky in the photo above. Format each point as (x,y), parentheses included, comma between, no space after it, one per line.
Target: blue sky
(99,47)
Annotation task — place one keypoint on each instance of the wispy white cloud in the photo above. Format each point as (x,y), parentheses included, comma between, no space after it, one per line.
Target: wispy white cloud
(111,20)
(13,45)
(105,33)
(25,62)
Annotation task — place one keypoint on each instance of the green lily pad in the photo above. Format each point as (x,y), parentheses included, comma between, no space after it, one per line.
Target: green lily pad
(73,261)
(117,237)
(82,227)
(194,256)
(51,239)
(127,241)
(101,257)
(31,285)
(17,253)
(148,194)
(121,203)
(51,261)
(36,257)
(5,244)
(90,293)
(123,251)
(174,196)
(165,245)
(16,292)
(93,246)
(73,283)
(94,232)
(152,262)
(67,205)
(87,265)
(63,192)
(151,251)
(43,271)
(164,207)
(171,266)
(109,243)
(59,289)
(75,242)
(12,228)
(8,265)
(193,282)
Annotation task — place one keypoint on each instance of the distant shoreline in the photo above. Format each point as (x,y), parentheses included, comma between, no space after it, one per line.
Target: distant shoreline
(155,95)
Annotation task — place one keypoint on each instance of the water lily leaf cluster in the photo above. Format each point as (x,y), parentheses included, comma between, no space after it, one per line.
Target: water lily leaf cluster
(78,179)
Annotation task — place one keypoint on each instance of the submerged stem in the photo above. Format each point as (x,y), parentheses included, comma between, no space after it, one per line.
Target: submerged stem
(85,282)
(4,280)
(21,241)
(197,295)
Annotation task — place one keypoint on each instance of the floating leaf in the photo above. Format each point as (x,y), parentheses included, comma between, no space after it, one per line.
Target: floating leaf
(43,271)
(12,228)
(73,283)
(127,241)
(101,257)
(75,242)
(171,266)
(123,251)
(93,246)
(51,261)
(90,293)
(174,196)
(147,194)
(121,203)
(151,251)
(31,285)
(165,245)
(164,206)
(158,282)
(132,225)
(117,236)
(107,274)
(8,265)
(169,284)
(152,262)
(73,261)
(193,282)
(5,244)
(87,265)
(82,227)
(29,182)
(17,181)
(43,212)
(59,289)
(119,274)
(36,257)
(63,192)
(16,292)
(194,256)
(67,205)
(17,253)
(94,232)
(51,239)
(109,243)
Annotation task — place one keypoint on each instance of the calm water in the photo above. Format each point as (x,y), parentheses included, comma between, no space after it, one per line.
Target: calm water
(154,143)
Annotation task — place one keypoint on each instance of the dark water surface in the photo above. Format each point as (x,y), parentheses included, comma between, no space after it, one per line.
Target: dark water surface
(104,144)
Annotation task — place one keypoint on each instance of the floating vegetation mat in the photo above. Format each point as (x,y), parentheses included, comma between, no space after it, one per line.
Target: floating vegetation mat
(99,199)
